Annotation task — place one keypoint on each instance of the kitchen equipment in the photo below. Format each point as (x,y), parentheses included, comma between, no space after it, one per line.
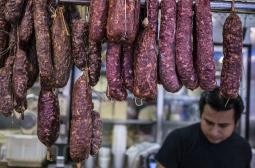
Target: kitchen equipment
(104,157)
(141,155)
(28,125)
(119,145)
(25,151)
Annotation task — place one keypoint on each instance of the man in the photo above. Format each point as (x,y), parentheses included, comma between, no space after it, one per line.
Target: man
(212,143)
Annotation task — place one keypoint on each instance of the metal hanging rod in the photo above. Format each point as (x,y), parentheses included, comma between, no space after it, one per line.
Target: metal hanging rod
(216,5)
(76,2)
(225,6)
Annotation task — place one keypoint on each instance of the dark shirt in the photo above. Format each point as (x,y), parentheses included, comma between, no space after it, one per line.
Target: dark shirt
(189,148)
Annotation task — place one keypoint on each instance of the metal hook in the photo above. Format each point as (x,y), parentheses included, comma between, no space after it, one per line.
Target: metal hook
(227,103)
(140,103)
(233,6)
(57,2)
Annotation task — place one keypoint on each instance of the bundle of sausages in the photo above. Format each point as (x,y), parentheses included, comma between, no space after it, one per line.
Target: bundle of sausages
(204,42)
(86,126)
(38,40)
(167,67)
(37,45)
(122,28)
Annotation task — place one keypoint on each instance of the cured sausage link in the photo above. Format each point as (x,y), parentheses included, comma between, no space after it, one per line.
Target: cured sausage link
(205,49)
(232,62)
(184,59)
(167,68)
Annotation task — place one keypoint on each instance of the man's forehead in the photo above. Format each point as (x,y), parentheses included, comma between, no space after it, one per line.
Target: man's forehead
(218,116)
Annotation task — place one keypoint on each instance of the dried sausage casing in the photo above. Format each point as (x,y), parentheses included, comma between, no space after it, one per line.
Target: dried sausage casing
(81,124)
(205,65)
(167,68)
(232,61)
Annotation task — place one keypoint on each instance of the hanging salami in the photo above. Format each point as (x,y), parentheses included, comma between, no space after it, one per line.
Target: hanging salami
(167,68)
(116,89)
(98,19)
(81,124)
(48,118)
(232,62)
(205,65)
(61,41)
(6,104)
(184,59)
(123,20)
(20,80)
(145,62)
(43,42)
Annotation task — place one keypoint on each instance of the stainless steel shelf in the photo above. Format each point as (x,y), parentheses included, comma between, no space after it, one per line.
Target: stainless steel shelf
(178,123)
(76,2)
(183,98)
(129,122)
(81,2)
(225,6)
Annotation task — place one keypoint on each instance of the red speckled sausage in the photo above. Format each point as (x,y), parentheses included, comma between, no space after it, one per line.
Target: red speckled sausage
(6,104)
(184,59)
(167,68)
(98,19)
(145,67)
(20,80)
(13,10)
(61,49)
(43,42)
(79,42)
(116,89)
(26,24)
(145,62)
(33,69)
(81,124)
(97,133)
(232,62)
(128,66)
(123,20)
(48,117)
(94,61)
(204,57)
(3,33)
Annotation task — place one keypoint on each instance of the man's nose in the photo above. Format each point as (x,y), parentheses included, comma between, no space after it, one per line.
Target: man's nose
(215,131)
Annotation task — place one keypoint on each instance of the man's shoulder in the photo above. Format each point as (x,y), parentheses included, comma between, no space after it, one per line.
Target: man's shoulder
(188,129)
(242,147)
(186,132)
(239,141)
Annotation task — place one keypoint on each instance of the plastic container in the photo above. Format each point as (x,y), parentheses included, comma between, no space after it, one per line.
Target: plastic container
(104,157)
(119,144)
(25,151)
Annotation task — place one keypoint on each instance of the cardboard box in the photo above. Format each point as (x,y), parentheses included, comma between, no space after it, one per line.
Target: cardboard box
(120,110)
(106,109)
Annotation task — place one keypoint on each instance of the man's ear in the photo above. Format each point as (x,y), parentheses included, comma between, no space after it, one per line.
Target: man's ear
(237,124)
(200,115)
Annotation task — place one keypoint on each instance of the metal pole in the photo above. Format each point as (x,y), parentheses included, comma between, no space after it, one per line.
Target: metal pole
(247,114)
(160,112)
(75,2)
(82,2)
(216,6)
(225,6)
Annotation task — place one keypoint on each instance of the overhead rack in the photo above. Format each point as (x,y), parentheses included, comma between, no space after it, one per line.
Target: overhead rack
(216,6)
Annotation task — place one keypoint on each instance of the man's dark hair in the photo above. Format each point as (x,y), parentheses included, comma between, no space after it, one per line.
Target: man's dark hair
(220,103)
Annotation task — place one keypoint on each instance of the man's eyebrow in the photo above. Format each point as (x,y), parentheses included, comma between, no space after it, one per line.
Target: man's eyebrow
(223,124)
(220,124)
(209,121)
